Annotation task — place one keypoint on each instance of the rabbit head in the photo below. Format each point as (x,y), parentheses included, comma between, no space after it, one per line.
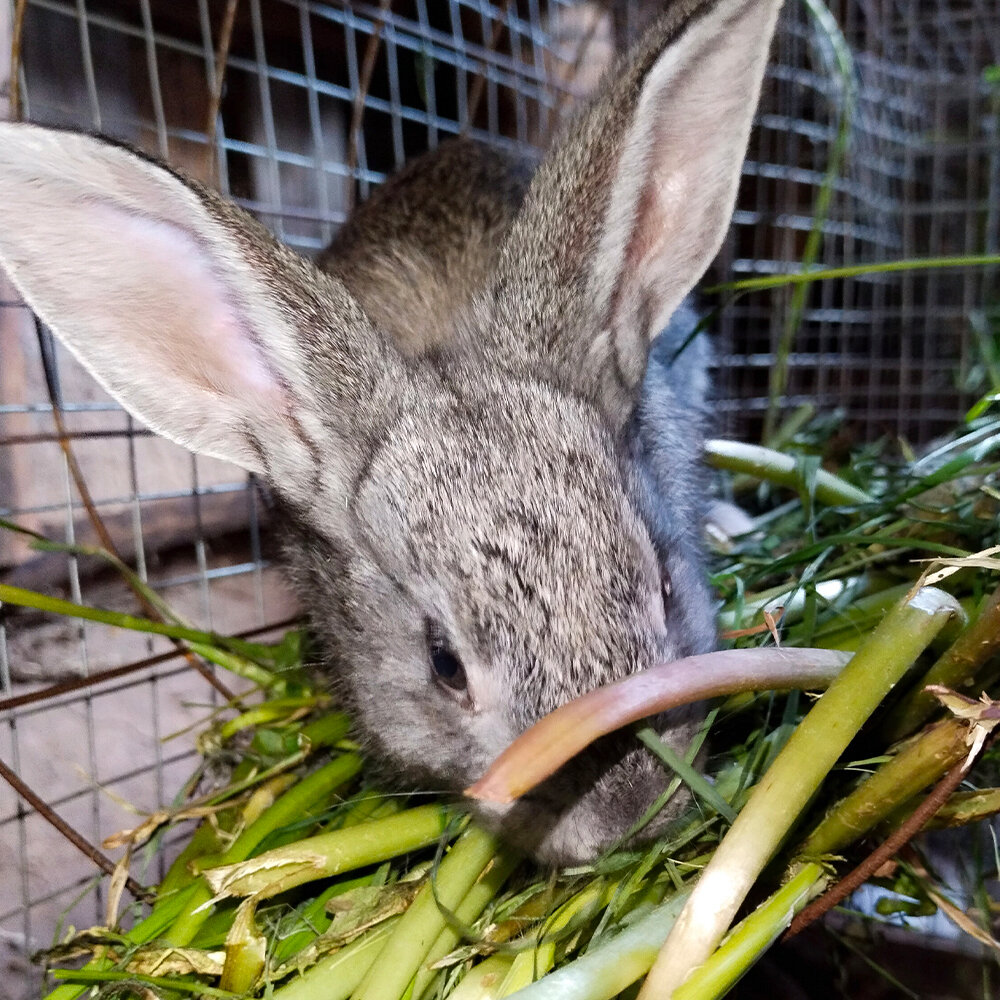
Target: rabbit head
(485,531)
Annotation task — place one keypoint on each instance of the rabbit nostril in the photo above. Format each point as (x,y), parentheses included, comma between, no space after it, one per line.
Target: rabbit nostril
(445,664)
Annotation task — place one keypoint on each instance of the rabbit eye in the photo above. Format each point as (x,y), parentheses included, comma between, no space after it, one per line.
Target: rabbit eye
(445,665)
(666,586)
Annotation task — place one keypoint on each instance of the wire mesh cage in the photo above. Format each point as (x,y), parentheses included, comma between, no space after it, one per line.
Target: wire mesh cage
(878,140)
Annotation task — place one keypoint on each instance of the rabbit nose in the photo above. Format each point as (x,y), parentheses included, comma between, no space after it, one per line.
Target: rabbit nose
(592,804)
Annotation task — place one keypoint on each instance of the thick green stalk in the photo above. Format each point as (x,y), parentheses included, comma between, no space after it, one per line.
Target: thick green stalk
(203,841)
(467,912)
(784,791)
(533,963)
(967,807)
(419,927)
(611,967)
(338,975)
(751,937)
(327,854)
(246,951)
(919,763)
(775,467)
(956,668)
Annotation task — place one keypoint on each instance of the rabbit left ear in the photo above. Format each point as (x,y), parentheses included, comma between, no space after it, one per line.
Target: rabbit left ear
(182,306)
(629,208)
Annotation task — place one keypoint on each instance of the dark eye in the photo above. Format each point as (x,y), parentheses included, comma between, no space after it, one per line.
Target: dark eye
(445,665)
(666,586)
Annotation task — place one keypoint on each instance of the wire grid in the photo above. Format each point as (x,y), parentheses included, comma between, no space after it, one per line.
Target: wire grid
(893,353)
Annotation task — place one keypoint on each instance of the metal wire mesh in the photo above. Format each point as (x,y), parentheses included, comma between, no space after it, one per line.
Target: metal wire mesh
(318,102)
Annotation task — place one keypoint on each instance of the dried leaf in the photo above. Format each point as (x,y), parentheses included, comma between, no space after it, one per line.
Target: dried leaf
(246,951)
(176,962)
(356,911)
(85,942)
(116,887)
(247,878)
(983,715)
(962,920)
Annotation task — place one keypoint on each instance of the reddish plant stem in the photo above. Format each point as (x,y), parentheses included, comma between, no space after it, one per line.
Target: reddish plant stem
(913,824)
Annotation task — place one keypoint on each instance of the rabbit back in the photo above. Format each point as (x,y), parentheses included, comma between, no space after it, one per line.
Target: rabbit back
(415,252)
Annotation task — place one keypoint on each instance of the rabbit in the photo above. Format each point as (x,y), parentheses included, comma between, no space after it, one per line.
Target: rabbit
(488,470)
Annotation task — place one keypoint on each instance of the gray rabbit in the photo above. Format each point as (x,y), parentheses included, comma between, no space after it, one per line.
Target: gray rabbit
(492,487)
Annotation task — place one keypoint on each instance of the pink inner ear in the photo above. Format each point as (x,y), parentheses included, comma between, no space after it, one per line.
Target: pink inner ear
(180,315)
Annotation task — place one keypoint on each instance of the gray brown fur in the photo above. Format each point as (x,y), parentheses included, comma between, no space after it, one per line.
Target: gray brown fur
(417,249)
(460,413)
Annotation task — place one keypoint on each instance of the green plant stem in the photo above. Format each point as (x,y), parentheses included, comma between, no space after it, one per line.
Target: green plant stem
(419,927)
(790,782)
(467,911)
(276,710)
(775,467)
(203,841)
(246,951)
(611,967)
(855,271)
(956,668)
(207,644)
(751,937)
(485,980)
(315,919)
(328,854)
(843,70)
(336,976)
(88,977)
(536,960)
(919,763)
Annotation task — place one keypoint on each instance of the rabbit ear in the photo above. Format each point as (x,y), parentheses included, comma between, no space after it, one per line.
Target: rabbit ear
(632,203)
(186,309)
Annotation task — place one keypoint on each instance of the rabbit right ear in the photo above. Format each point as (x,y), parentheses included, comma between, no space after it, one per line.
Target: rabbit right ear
(632,203)
(186,309)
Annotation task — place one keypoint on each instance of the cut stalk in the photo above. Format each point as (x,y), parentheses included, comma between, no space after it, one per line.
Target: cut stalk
(957,668)
(329,854)
(792,779)
(775,467)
